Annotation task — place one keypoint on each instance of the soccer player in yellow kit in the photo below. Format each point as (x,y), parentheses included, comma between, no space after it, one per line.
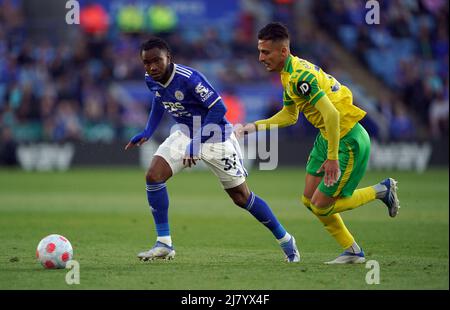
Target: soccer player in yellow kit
(341,151)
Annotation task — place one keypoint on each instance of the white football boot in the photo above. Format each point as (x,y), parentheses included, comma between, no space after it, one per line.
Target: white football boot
(158,251)
(349,258)
(391,199)
(292,255)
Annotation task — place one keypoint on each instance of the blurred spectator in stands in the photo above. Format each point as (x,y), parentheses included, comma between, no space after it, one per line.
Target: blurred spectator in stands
(67,122)
(284,12)
(273,107)
(439,109)
(385,107)
(46,113)
(260,10)
(434,6)
(28,109)
(398,22)
(44,85)
(363,42)
(8,147)
(411,41)
(241,44)
(424,39)
(402,127)
(213,47)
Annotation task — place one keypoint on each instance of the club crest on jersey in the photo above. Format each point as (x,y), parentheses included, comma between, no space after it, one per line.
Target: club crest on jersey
(179,95)
(304,88)
(203,91)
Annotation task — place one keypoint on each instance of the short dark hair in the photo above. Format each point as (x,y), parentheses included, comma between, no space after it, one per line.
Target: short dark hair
(155,42)
(274,31)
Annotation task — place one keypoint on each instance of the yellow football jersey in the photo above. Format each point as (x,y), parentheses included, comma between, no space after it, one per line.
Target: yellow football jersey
(305,83)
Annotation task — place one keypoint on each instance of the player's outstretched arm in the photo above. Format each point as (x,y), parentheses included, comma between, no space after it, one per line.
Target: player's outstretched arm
(240,130)
(135,142)
(152,123)
(287,116)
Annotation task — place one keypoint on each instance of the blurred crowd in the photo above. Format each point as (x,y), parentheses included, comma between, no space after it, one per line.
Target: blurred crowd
(407,50)
(54,90)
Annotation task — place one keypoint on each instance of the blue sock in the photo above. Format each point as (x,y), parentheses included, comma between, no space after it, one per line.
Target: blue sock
(262,212)
(158,201)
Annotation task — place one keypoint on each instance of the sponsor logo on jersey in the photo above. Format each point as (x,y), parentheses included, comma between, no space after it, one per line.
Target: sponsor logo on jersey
(304,88)
(203,91)
(176,109)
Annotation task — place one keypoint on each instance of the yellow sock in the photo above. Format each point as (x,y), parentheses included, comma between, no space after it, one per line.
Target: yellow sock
(334,225)
(359,197)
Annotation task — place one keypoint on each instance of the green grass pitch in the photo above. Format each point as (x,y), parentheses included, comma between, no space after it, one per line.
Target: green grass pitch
(104,213)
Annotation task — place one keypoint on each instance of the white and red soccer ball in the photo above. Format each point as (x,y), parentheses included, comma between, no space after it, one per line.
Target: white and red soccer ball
(54,251)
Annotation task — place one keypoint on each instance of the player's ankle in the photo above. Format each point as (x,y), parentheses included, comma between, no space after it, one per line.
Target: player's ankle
(354,248)
(285,238)
(165,239)
(380,190)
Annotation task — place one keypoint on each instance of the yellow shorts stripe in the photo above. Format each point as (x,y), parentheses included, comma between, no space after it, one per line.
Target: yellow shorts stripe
(347,172)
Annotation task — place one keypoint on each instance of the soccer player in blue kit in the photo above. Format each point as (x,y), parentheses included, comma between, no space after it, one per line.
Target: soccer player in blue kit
(204,133)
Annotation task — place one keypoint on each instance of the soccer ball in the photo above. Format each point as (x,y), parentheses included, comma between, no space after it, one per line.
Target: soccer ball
(54,251)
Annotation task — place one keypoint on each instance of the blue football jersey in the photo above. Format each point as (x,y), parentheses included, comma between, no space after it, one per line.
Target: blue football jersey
(186,96)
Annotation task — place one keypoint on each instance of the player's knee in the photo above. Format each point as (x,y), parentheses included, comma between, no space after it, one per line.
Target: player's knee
(314,206)
(316,202)
(314,209)
(306,202)
(153,176)
(320,211)
(240,200)
(239,194)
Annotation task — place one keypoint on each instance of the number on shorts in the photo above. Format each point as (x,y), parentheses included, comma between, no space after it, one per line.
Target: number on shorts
(229,163)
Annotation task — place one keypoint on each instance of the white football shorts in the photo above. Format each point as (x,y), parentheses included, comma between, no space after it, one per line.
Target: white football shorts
(223,158)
